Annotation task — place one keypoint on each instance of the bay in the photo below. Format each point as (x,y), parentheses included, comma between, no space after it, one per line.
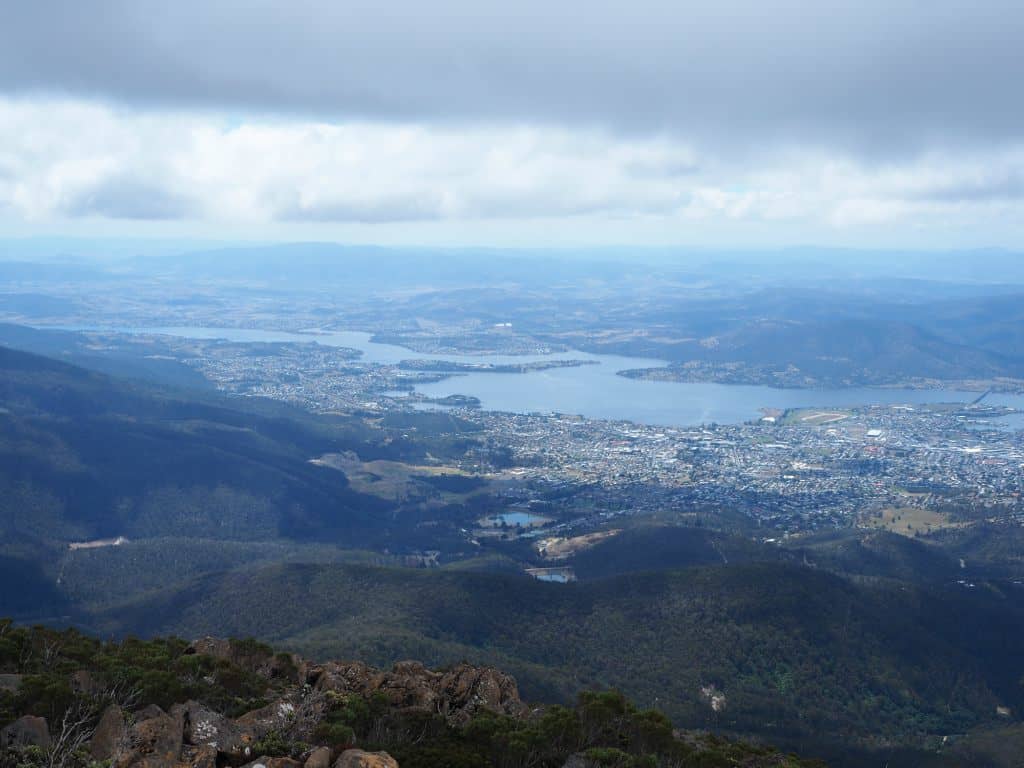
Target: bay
(595,391)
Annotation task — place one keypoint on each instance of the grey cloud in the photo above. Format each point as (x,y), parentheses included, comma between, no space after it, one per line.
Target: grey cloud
(867,75)
(659,168)
(1000,186)
(498,204)
(367,212)
(128,198)
(483,204)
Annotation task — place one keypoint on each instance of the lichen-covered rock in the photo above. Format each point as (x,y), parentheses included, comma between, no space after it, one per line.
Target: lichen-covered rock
(110,734)
(25,732)
(296,715)
(356,758)
(410,685)
(204,727)
(198,757)
(148,712)
(319,758)
(466,690)
(343,677)
(276,716)
(273,762)
(154,741)
(457,694)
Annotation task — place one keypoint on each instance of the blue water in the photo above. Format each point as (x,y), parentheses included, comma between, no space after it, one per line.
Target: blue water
(519,518)
(596,391)
(557,578)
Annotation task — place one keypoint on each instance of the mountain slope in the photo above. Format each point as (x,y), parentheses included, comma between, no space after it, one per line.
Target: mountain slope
(849,351)
(795,652)
(77,349)
(83,456)
(645,548)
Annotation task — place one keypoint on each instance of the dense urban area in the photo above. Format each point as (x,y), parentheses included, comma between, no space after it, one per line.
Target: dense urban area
(911,468)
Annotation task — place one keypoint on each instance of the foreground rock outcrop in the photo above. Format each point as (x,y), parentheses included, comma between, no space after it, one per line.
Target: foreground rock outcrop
(193,734)
(27,731)
(356,758)
(165,703)
(457,695)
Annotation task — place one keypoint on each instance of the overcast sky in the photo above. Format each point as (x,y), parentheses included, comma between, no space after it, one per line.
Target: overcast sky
(572,121)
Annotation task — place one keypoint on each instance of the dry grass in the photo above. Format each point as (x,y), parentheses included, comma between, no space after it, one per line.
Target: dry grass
(391,480)
(557,549)
(908,521)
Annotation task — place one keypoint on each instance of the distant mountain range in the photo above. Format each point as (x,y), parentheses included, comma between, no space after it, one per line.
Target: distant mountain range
(839,317)
(857,351)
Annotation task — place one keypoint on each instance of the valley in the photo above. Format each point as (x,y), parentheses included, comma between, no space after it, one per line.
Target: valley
(507,496)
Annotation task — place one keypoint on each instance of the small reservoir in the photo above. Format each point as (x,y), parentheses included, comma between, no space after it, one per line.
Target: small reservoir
(514,520)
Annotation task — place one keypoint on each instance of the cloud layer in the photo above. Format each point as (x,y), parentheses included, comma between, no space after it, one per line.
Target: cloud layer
(72,159)
(791,119)
(82,159)
(861,75)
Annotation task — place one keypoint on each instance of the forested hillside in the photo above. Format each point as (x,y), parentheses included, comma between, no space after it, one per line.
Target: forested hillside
(69,700)
(799,655)
(84,456)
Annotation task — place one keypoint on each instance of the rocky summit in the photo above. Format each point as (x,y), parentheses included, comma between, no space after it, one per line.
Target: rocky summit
(75,702)
(192,734)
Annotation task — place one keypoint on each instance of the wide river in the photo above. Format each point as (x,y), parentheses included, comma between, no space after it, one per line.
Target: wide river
(596,391)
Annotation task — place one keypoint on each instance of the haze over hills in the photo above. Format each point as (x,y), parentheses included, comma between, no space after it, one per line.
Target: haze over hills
(831,316)
(848,352)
